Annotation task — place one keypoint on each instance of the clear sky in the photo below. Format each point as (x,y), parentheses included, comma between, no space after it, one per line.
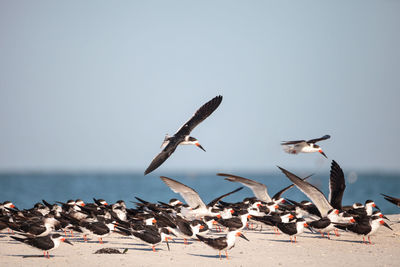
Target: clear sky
(95,85)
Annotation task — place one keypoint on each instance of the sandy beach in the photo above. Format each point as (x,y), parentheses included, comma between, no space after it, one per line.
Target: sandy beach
(264,248)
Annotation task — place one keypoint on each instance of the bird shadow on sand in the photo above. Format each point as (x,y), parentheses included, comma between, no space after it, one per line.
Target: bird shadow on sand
(145,249)
(81,240)
(350,241)
(280,240)
(34,256)
(208,256)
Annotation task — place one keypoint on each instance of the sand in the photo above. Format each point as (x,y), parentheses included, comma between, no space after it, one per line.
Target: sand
(264,249)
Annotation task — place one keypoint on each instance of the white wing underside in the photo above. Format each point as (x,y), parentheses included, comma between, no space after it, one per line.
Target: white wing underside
(315,195)
(189,195)
(259,190)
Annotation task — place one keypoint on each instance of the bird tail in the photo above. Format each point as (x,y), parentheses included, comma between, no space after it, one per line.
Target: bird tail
(342,226)
(18,239)
(201,238)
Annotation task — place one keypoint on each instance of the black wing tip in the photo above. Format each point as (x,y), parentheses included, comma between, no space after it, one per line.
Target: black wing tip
(282,169)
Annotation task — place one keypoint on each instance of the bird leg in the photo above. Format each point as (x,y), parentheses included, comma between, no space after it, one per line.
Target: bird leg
(72,233)
(369,239)
(328,236)
(185,241)
(48,256)
(364,240)
(85,238)
(101,240)
(291,239)
(154,249)
(336,232)
(226,253)
(219,254)
(295,240)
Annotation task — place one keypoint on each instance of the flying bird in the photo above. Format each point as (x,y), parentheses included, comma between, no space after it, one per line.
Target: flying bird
(303,146)
(192,198)
(182,137)
(313,193)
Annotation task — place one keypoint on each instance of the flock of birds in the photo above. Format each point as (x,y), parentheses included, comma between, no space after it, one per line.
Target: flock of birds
(153,223)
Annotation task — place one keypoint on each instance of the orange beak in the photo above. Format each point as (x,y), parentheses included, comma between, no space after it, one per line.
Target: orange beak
(249,216)
(276,206)
(322,153)
(201,227)
(154,221)
(219,216)
(337,212)
(305,225)
(199,146)
(12,206)
(352,220)
(232,211)
(291,216)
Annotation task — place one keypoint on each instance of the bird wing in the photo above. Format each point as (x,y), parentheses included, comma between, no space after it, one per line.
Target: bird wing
(319,139)
(337,185)
(279,194)
(287,228)
(161,157)
(393,200)
(212,203)
(259,189)
(293,142)
(200,115)
(191,197)
(43,242)
(313,193)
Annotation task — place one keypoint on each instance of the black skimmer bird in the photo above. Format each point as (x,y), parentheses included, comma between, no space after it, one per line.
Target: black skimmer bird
(182,137)
(6,205)
(365,226)
(260,190)
(336,188)
(326,224)
(313,193)
(393,200)
(44,243)
(303,146)
(224,242)
(40,228)
(238,222)
(361,210)
(187,229)
(337,185)
(148,234)
(292,228)
(198,208)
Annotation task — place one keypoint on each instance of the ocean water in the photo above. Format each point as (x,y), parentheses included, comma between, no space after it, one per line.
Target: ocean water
(25,189)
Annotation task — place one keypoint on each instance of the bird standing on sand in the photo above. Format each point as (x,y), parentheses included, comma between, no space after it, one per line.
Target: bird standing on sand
(182,137)
(303,146)
(45,243)
(222,243)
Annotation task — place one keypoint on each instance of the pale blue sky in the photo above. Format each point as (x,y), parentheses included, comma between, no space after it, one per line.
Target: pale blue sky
(95,85)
